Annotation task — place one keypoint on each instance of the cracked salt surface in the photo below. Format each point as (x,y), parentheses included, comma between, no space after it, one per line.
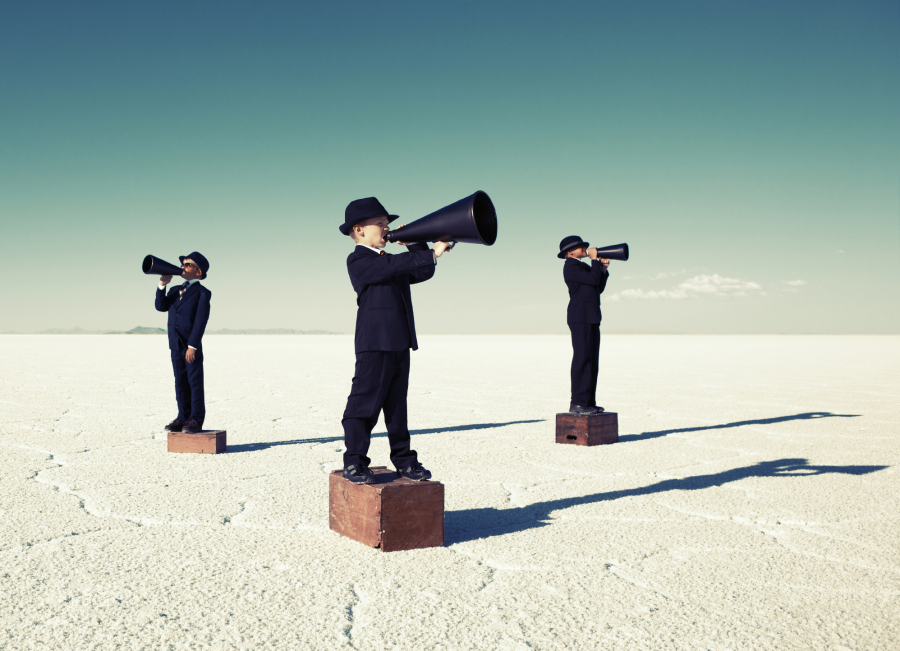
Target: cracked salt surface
(751,502)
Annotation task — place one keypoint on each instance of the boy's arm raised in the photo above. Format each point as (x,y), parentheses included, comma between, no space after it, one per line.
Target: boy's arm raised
(376,269)
(597,275)
(163,302)
(423,273)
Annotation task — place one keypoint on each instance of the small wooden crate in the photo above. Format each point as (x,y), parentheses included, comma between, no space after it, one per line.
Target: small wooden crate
(596,429)
(204,442)
(392,514)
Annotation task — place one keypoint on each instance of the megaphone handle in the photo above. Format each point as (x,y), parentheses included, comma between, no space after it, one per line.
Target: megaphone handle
(452,244)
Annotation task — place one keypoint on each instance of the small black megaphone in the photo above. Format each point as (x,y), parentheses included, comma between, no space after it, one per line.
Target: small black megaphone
(614,252)
(156,267)
(472,220)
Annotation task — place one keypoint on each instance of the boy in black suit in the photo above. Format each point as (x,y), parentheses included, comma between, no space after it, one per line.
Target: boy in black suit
(385,331)
(585,284)
(188,308)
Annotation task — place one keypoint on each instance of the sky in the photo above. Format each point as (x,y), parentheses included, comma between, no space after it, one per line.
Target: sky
(748,153)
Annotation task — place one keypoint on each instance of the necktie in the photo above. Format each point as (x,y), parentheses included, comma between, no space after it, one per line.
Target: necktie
(382,252)
(183,289)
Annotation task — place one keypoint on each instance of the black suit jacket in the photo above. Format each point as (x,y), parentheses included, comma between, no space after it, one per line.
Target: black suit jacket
(188,314)
(384,318)
(585,284)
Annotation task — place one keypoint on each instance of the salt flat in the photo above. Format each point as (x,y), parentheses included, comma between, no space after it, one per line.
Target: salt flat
(751,503)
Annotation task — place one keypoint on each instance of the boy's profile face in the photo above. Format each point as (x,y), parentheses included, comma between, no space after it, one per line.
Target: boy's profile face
(191,270)
(577,252)
(371,232)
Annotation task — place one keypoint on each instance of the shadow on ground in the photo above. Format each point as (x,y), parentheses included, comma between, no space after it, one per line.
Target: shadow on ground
(253,447)
(810,415)
(475,524)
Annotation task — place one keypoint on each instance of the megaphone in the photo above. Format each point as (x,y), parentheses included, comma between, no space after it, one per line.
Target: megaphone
(154,266)
(614,252)
(472,220)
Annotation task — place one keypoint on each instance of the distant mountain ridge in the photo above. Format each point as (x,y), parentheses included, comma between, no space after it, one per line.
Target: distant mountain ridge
(143,330)
(271,331)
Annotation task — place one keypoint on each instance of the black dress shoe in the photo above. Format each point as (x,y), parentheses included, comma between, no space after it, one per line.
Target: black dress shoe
(359,475)
(597,410)
(414,471)
(578,410)
(192,427)
(175,426)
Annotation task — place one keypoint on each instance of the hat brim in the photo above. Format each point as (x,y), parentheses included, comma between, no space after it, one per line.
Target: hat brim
(345,227)
(562,254)
(181,260)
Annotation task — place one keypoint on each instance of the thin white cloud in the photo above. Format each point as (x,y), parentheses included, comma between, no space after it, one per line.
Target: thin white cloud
(795,283)
(666,274)
(703,285)
(660,276)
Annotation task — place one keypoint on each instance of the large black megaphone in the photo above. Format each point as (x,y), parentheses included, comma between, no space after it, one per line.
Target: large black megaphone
(154,266)
(472,220)
(614,252)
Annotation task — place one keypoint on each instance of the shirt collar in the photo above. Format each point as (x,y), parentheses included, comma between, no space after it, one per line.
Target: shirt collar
(191,282)
(371,248)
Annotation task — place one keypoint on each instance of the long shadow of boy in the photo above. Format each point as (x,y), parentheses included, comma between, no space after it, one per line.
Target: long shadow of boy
(473,524)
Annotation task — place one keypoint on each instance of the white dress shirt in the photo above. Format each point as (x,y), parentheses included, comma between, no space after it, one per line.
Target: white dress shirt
(378,251)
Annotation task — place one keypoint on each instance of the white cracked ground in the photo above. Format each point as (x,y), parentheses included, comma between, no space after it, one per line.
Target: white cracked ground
(751,502)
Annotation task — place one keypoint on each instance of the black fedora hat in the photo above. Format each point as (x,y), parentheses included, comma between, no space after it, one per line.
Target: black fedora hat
(569,243)
(361,210)
(199,260)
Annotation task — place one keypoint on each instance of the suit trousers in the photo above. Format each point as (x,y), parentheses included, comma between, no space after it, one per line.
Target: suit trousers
(189,386)
(585,362)
(380,382)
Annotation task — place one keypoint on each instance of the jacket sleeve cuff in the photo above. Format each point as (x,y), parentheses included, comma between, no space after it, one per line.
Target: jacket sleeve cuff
(421,260)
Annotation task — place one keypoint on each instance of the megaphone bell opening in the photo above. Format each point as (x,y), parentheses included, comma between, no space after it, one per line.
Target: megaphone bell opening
(485,218)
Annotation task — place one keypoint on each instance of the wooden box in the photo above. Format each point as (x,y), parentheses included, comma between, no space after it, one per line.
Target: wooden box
(205,442)
(596,429)
(392,514)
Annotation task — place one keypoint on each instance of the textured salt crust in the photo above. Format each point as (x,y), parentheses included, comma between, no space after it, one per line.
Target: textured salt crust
(751,503)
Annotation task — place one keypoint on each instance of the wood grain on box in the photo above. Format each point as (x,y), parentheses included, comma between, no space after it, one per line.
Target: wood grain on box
(392,514)
(597,429)
(205,442)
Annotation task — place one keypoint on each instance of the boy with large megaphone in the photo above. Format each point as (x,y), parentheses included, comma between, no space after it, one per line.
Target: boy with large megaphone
(585,284)
(385,332)
(188,307)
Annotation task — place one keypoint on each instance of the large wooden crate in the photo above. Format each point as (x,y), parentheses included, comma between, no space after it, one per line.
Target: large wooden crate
(596,429)
(392,514)
(205,442)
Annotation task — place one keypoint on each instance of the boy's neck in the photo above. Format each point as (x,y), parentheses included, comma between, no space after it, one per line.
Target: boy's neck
(370,246)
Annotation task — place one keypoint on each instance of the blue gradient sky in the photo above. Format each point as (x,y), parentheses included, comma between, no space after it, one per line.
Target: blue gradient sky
(737,147)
